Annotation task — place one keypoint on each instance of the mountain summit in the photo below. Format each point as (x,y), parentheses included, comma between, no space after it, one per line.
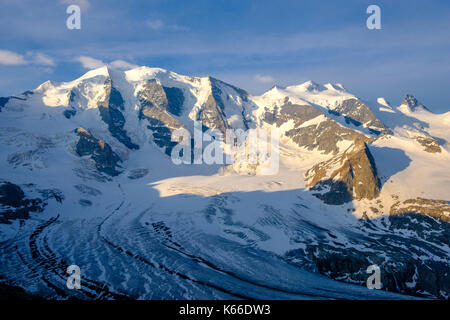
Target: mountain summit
(412,104)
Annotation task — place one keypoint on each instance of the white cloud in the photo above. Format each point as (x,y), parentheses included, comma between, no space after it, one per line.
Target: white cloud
(92,63)
(121,64)
(89,63)
(43,60)
(14,59)
(177,27)
(155,24)
(263,79)
(11,58)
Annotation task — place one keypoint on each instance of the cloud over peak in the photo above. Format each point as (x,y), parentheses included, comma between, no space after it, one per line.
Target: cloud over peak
(92,63)
(89,62)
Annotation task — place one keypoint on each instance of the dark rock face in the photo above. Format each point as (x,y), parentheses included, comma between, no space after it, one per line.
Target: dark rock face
(110,111)
(69,113)
(154,107)
(14,204)
(175,100)
(412,103)
(3,102)
(298,113)
(352,175)
(11,194)
(430,145)
(359,114)
(12,292)
(408,265)
(105,159)
(336,192)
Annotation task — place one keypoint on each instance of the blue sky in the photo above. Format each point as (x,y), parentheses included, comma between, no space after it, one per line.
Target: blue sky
(251,44)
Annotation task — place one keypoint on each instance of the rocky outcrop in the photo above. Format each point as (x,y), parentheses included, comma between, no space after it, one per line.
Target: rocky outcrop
(357,113)
(322,136)
(408,265)
(412,103)
(350,175)
(439,209)
(15,205)
(137,173)
(100,152)
(212,116)
(430,145)
(71,111)
(212,113)
(3,102)
(299,114)
(157,104)
(111,113)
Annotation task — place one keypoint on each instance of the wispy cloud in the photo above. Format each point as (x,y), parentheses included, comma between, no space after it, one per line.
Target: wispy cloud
(89,62)
(15,59)
(42,59)
(121,64)
(263,79)
(158,24)
(154,24)
(11,58)
(92,63)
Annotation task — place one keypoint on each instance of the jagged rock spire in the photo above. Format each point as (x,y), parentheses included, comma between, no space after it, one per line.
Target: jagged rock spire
(412,102)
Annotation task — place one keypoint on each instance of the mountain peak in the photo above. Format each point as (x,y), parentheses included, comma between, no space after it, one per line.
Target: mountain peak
(276,87)
(335,86)
(101,71)
(411,102)
(314,87)
(44,86)
(311,86)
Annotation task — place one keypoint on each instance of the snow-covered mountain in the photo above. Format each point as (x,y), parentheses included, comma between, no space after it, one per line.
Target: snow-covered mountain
(87,179)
